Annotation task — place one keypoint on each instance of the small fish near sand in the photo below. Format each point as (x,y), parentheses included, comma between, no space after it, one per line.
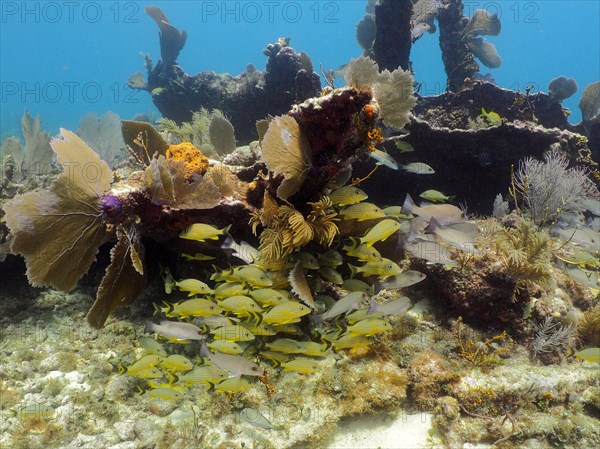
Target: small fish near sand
(175,331)
(255,418)
(591,355)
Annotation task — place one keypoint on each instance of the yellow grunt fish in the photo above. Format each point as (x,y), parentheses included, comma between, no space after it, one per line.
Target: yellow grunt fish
(146,362)
(201,232)
(232,333)
(197,256)
(363,252)
(241,306)
(362,212)
(176,362)
(225,347)
(302,365)
(151,346)
(370,326)
(229,289)
(250,275)
(195,307)
(194,287)
(166,394)
(286,313)
(232,385)
(268,296)
(383,269)
(380,232)
(350,341)
(347,195)
(203,375)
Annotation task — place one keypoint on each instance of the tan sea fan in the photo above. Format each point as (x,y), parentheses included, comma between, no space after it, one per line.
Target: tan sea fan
(299,285)
(286,152)
(124,280)
(58,231)
(394,93)
(362,74)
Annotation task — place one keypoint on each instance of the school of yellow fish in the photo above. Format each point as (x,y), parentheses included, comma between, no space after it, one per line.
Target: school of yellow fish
(247,315)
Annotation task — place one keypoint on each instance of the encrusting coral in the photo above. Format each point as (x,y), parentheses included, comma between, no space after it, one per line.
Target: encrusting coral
(195,161)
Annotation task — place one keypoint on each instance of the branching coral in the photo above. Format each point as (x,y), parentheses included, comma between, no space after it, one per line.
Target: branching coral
(549,187)
(551,337)
(143,141)
(588,327)
(480,353)
(286,228)
(525,252)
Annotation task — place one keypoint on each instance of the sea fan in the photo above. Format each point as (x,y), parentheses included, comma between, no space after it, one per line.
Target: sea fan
(103,134)
(483,23)
(124,280)
(362,73)
(300,286)
(58,231)
(286,152)
(221,133)
(485,52)
(394,93)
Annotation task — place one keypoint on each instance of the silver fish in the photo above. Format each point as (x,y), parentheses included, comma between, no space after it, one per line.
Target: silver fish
(465,241)
(432,252)
(236,364)
(347,303)
(255,418)
(444,213)
(418,168)
(242,250)
(404,279)
(419,30)
(395,307)
(383,158)
(176,330)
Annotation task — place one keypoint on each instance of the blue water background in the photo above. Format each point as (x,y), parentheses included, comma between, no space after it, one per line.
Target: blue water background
(64,59)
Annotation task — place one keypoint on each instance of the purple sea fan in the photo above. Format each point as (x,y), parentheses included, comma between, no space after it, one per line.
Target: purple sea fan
(59,231)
